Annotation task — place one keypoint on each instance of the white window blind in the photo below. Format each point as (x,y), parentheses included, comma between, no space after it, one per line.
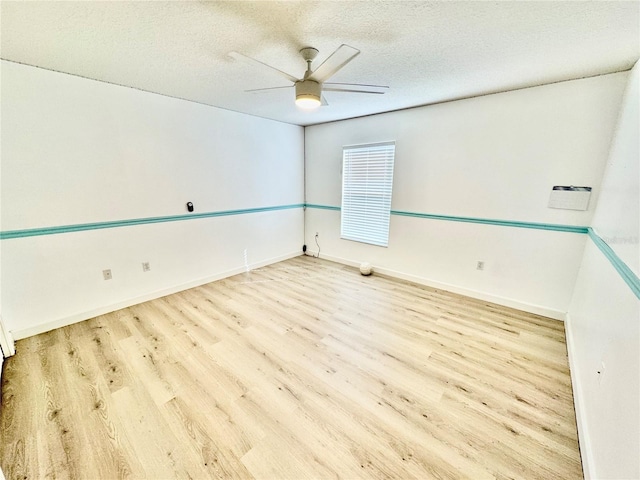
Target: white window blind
(367,181)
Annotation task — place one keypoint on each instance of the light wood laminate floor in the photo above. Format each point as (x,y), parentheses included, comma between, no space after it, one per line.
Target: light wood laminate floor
(303,369)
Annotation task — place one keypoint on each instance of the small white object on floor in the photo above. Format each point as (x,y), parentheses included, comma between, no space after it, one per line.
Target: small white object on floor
(366,269)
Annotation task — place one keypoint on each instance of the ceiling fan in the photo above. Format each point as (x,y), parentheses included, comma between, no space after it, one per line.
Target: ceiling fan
(309,88)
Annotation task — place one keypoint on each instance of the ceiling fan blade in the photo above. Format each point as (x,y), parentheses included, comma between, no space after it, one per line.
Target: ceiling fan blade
(352,90)
(259,90)
(338,59)
(253,61)
(360,87)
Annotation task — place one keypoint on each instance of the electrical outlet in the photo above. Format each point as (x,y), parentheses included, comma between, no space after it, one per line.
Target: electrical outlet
(480,265)
(146,267)
(107,274)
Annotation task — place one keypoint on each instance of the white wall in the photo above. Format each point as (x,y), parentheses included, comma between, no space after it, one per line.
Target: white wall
(492,157)
(603,325)
(76,151)
(617,216)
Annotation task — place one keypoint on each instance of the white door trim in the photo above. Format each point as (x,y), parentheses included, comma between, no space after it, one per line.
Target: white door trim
(6,341)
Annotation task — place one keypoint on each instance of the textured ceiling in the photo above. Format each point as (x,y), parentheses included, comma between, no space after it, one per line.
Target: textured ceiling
(427,52)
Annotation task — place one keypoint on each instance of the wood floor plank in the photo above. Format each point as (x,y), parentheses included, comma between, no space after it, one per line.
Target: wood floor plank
(301,369)
(214,459)
(150,437)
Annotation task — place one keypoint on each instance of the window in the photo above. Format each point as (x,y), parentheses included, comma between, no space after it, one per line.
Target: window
(367,181)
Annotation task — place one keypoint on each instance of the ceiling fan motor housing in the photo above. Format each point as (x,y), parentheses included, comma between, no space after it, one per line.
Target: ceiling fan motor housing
(308,92)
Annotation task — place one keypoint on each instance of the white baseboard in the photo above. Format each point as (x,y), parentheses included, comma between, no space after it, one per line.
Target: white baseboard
(583,432)
(507,302)
(79,317)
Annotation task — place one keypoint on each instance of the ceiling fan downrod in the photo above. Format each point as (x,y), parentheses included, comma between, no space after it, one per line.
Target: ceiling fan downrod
(308,92)
(309,54)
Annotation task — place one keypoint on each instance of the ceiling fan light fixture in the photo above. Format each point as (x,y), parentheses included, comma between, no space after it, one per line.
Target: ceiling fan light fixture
(307,101)
(308,94)
(309,88)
